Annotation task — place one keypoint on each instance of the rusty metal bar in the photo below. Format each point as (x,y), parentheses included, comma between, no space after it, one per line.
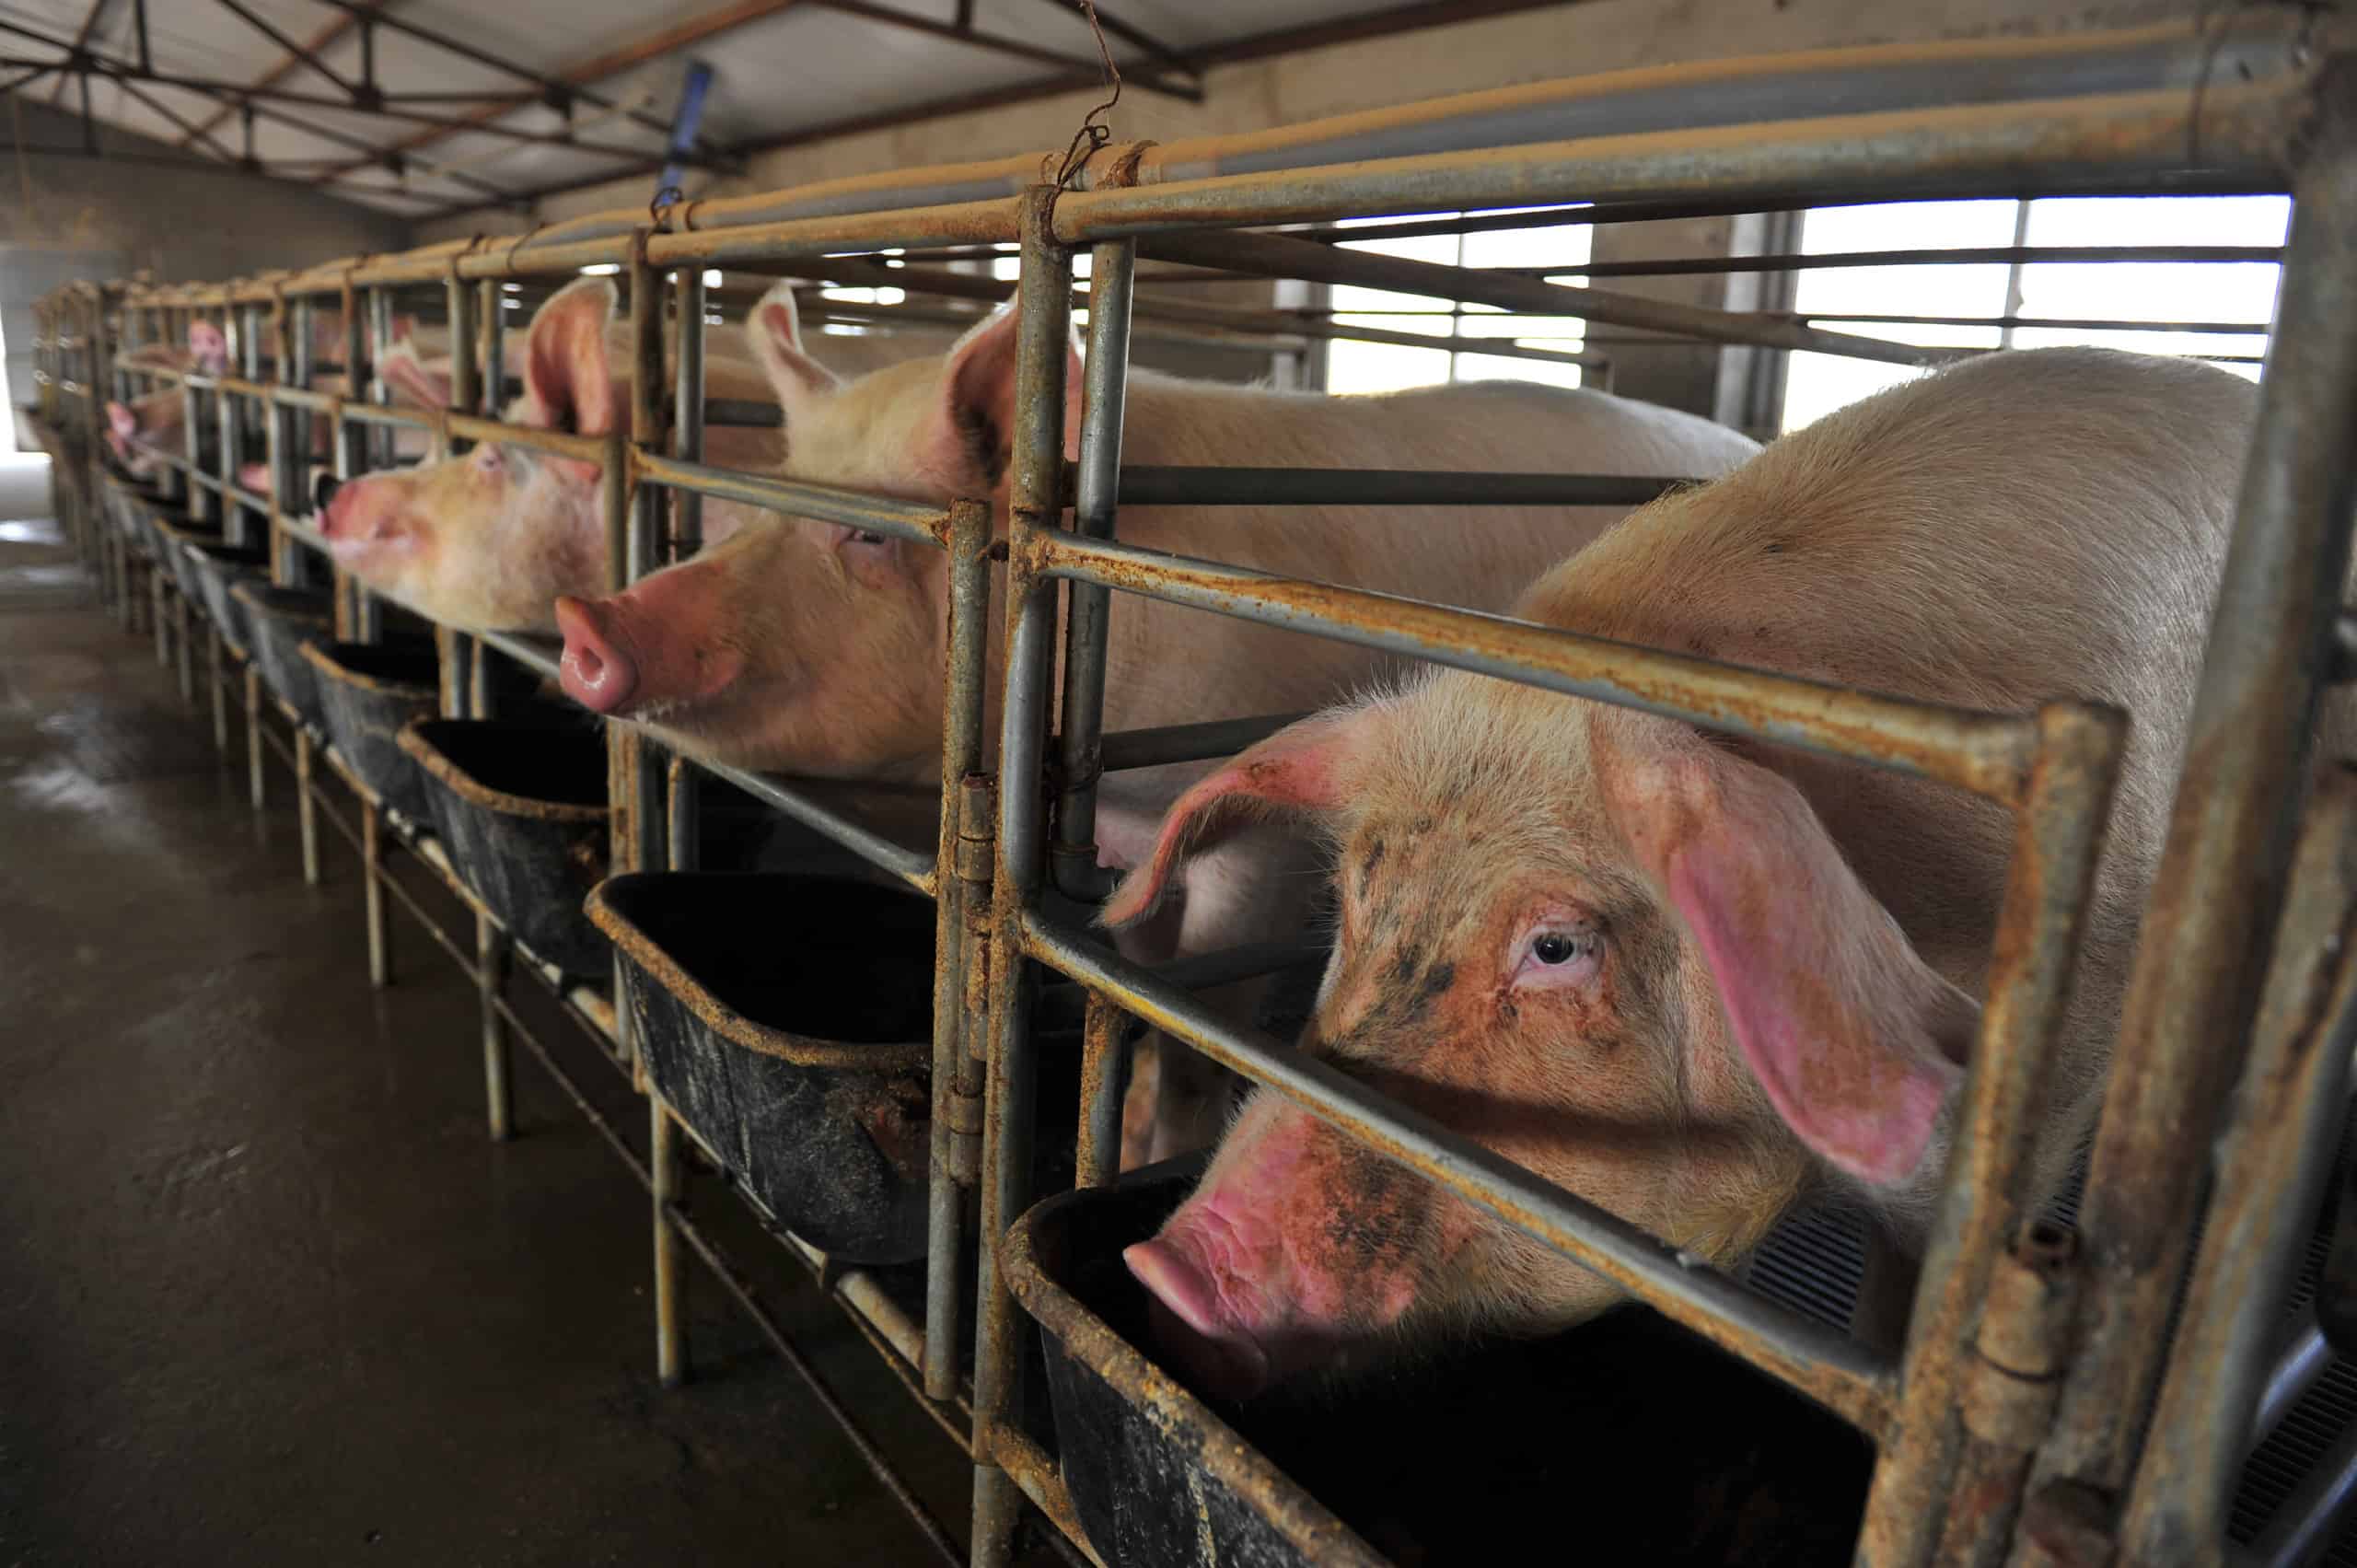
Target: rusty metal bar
(1028,1466)
(2283,1136)
(2048,885)
(1845,1376)
(1988,753)
(1104,1081)
(1043,350)
(908,520)
(1072,851)
(305,807)
(493,952)
(2215,895)
(913,866)
(1188,742)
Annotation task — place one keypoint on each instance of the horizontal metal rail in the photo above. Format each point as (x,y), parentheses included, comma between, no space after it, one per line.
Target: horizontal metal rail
(1988,753)
(913,866)
(1145,485)
(1845,1376)
(915,521)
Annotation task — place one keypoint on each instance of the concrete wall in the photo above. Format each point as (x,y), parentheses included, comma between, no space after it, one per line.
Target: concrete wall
(66,217)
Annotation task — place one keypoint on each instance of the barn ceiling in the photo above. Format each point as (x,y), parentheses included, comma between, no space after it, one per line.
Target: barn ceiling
(431,106)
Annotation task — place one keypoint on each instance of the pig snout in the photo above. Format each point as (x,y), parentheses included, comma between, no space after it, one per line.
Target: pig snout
(598,670)
(1249,1284)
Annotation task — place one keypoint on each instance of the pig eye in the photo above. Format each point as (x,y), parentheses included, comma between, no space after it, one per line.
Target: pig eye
(861,536)
(1557,952)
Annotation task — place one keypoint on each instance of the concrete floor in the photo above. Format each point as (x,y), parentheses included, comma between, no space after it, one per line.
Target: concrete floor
(267,1295)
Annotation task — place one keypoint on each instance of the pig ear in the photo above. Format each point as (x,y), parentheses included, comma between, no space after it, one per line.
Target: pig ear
(972,434)
(567,383)
(1298,769)
(124,422)
(1852,1036)
(412,382)
(775,330)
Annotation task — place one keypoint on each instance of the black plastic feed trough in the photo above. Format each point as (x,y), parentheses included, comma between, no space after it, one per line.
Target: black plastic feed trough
(220,567)
(280,622)
(1624,1440)
(368,692)
(520,808)
(788,1020)
(175,533)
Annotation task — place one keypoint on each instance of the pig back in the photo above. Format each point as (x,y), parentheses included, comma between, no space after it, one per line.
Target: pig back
(1171,665)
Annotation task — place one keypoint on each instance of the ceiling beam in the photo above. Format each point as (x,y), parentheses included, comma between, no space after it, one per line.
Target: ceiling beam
(290,63)
(1371,24)
(200,136)
(1127,32)
(1136,76)
(309,58)
(81,42)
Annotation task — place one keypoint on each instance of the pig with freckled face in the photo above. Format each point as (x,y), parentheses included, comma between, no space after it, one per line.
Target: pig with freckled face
(817,649)
(1691,979)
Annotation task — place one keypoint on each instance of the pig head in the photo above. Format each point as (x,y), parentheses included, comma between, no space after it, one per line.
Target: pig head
(1594,942)
(814,647)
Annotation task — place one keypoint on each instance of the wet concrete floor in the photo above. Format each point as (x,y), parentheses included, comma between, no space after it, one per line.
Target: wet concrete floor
(267,1294)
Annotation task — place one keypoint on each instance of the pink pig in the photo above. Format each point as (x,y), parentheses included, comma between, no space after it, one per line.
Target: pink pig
(1690,978)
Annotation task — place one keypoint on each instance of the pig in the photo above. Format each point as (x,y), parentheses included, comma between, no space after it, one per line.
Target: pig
(488,541)
(136,429)
(818,650)
(1698,981)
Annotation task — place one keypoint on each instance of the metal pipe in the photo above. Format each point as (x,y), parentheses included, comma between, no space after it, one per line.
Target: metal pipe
(1277,255)
(913,866)
(218,699)
(1126,748)
(372,868)
(664,1181)
(1986,1196)
(688,413)
(963,706)
(1043,350)
(1849,1378)
(2282,1138)
(1096,477)
(2219,886)
(1988,753)
(380,391)
(1167,486)
(466,384)
(305,807)
(908,520)
(1104,1085)
(254,784)
(492,953)
(2295,1373)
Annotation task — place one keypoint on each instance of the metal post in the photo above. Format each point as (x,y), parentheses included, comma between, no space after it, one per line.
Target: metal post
(294,431)
(381,340)
(159,613)
(664,1173)
(2220,884)
(1113,270)
(187,653)
(229,420)
(202,503)
(254,699)
(466,392)
(493,954)
(956,1100)
(1104,1081)
(372,867)
(1043,350)
(491,311)
(220,702)
(306,812)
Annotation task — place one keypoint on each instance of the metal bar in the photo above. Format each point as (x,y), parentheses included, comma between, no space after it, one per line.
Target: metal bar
(1135,75)
(372,857)
(309,58)
(1144,485)
(964,704)
(688,413)
(1188,742)
(285,66)
(1847,1377)
(909,521)
(493,955)
(255,785)
(2048,885)
(466,385)
(305,807)
(1043,349)
(1028,1466)
(1944,256)
(2009,322)
(2220,882)
(2295,1373)
(1277,255)
(219,697)
(1072,853)
(2283,1136)
(912,866)
(1988,753)
(664,1185)
(1104,1083)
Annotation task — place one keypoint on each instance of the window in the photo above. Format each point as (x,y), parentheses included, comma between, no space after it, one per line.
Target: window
(1458,328)
(1977,304)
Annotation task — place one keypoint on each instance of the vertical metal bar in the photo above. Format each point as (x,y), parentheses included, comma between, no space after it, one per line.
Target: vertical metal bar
(479,657)
(306,808)
(961,756)
(1104,1080)
(2013,276)
(229,422)
(644,549)
(1043,350)
(466,390)
(491,309)
(2219,887)
(2057,835)
(687,414)
(1112,272)
(2272,1165)
(685,852)
(202,503)
(220,702)
(256,787)
(356,613)
(663,1179)
(159,613)
(492,951)
(380,339)
(454,662)
(372,867)
(294,431)
(181,615)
